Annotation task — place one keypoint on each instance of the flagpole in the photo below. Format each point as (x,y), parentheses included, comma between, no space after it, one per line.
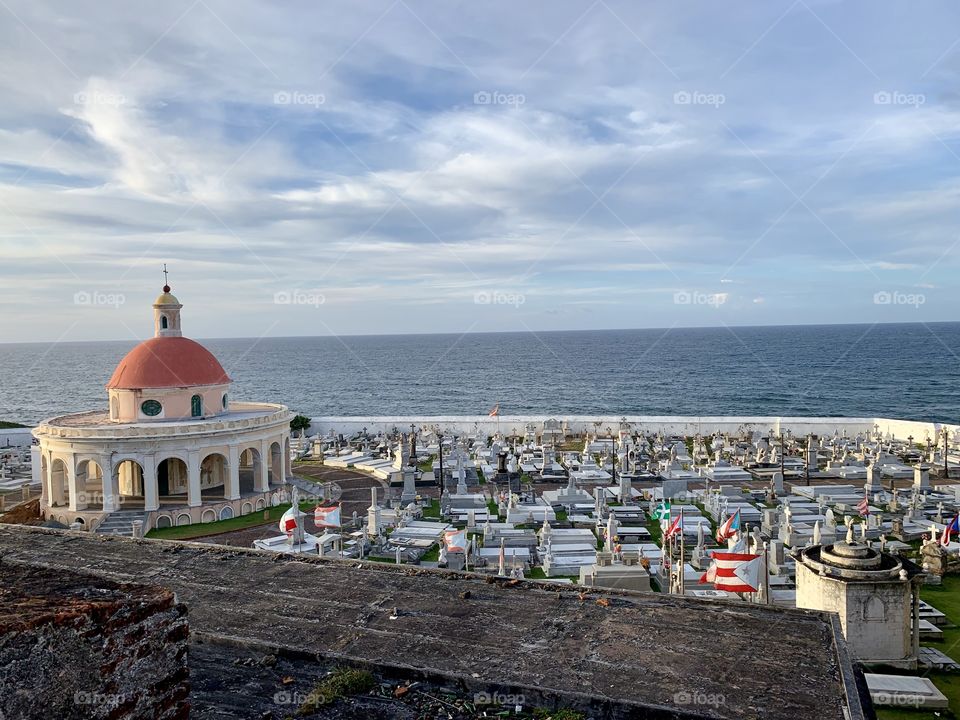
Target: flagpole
(766,573)
(680,569)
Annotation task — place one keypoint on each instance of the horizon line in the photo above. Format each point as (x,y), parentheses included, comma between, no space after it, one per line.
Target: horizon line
(498,332)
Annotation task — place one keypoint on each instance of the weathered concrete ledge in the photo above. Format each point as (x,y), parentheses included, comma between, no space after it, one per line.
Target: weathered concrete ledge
(629,655)
(75,645)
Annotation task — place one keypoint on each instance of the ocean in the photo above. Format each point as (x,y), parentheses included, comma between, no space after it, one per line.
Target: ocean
(907,371)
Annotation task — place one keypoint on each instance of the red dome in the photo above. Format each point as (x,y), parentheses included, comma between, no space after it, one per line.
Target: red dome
(167,362)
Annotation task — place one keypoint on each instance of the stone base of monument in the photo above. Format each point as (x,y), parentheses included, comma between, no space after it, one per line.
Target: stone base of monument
(904,691)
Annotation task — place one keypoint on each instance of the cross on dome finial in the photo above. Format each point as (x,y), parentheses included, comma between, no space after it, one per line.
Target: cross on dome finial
(166,280)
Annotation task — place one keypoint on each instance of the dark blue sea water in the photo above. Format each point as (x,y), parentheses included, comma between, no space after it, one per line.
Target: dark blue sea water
(905,370)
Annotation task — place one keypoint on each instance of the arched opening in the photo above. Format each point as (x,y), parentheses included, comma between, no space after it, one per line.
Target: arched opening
(164,521)
(226,513)
(250,468)
(208,516)
(287,463)
(114,408)
(276,464)
(90,484)
(173,480)
(196,406)
(184,519)
(246,508)
(163,322)
(213,476)
(58,483)
(130,482)
(224,401)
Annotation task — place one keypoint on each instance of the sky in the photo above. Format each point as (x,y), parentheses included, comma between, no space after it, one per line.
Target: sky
(394,166)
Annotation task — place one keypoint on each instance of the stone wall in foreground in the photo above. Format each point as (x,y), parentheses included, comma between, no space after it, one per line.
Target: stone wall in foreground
(78,646)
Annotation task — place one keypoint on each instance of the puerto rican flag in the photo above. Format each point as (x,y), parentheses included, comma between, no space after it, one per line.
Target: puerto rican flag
(730,528)
(495,411)
(327,516)
(952,527)
(675,527)
(863,507)
(456,540)
(288,521)
(734,572)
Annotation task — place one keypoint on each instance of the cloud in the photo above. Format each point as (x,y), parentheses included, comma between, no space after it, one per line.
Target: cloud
(396,156)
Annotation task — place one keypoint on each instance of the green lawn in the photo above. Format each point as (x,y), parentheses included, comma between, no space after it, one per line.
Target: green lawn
(946,599)
(432,510)
(656,534)
(494,509)
(431,555)
(189,532)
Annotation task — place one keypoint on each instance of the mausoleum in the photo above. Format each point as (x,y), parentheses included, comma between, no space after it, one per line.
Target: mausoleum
(172,447)
(875,594)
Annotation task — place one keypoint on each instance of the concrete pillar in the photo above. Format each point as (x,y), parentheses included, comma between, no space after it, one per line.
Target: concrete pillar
(194,498)
(151,491)
(75,501)
(232,487)
(111,489)
(261,480)
(56,489)
(36,472)
(915,609)
(921,477)
(137,527)
(874,482)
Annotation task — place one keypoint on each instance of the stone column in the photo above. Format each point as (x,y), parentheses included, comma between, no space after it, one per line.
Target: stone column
(409,486)
(287,464)
(36,472)
(261,483)
(915,602)
(151,491)
(56,489)
(232,488)
(111,489)
(74,499)
(194,498)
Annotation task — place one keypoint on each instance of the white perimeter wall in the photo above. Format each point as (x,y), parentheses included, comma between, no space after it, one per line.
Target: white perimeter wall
(16,437)
(671,425)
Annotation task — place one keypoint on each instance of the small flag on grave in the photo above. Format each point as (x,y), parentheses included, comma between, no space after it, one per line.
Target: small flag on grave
(456,540)
(730,528)
(288,521)
(952,527)
(327,516)
(735,572)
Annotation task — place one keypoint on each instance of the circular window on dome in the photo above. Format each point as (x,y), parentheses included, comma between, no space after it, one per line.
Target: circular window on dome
(151,408)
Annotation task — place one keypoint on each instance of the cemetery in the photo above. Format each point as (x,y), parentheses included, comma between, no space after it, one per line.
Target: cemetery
(769,523)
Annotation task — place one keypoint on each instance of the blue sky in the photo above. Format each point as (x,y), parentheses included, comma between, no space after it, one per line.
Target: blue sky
(402,166)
